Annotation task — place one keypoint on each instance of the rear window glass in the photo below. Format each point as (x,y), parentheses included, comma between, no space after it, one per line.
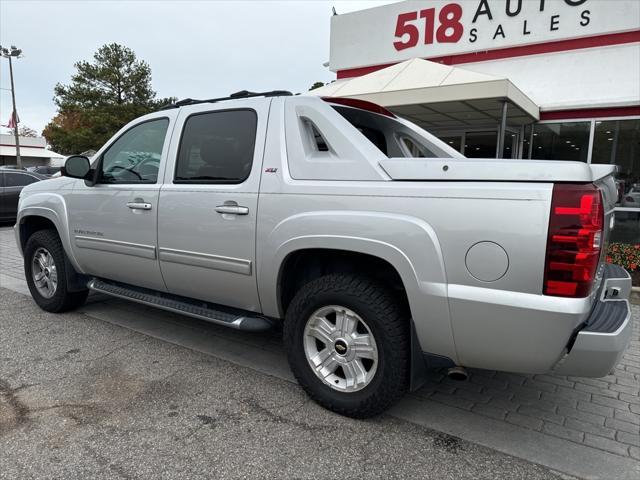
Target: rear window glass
(391,137)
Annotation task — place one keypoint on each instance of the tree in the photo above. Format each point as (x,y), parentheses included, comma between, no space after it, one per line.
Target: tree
(316,85)
(103,95)
(25,131)
(68,132)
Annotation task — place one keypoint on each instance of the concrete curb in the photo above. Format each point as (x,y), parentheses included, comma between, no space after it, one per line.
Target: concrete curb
(14,284)
(635,295)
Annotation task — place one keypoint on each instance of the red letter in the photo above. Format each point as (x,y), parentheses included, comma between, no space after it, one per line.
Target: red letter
(403,28)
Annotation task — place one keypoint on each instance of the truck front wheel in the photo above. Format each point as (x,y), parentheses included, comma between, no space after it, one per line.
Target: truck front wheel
(348,344)
(45,272)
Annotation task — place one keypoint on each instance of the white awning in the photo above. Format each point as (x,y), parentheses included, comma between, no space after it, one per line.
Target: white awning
(10,151)
(438,96)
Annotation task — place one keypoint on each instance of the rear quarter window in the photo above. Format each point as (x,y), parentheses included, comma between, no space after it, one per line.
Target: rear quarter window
(390,136)
(393,137)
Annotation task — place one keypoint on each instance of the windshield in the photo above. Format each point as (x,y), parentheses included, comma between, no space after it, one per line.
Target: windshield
(396,137)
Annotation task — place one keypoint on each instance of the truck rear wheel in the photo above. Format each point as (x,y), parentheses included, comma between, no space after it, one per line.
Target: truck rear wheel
(45,272)
(348,344)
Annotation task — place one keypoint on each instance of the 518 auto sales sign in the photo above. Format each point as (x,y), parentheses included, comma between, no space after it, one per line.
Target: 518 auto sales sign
(436,28)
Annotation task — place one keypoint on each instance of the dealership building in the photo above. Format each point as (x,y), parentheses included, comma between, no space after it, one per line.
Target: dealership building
(540,79)
(33,152)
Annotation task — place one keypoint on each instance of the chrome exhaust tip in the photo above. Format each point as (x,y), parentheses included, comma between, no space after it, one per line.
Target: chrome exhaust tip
(458,373)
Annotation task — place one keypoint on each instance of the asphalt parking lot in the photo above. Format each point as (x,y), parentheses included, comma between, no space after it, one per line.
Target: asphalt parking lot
(83,398)
(120,390)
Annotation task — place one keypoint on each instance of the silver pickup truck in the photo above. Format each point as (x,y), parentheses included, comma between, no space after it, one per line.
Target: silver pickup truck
(379,250)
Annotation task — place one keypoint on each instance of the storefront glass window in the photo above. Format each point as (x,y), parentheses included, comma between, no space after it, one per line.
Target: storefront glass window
(561,141)
(453,142)
(618,142)
(480,144)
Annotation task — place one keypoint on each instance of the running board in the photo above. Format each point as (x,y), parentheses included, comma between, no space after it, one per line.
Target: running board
(229,317)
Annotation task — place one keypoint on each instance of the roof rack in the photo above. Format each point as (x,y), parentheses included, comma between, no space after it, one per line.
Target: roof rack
(233,96)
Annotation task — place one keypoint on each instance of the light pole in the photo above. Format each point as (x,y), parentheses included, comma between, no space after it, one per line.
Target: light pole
(11,53)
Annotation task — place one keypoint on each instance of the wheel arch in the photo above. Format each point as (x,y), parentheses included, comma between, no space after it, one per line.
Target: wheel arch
(30,224)
(324,253)
(302,265)
(410,245)
(35,211)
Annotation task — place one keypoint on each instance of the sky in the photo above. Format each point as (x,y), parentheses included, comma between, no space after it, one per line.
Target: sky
(197,49)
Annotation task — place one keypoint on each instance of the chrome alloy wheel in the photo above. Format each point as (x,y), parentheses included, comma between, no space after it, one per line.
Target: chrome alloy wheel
(44,273)
(340,348)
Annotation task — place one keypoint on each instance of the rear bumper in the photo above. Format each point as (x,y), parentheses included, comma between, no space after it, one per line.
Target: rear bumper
(601,340)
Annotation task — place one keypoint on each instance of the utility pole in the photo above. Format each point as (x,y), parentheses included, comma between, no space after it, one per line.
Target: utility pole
(14,52)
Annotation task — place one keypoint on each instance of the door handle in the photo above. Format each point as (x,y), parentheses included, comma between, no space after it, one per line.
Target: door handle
(139,205)
(232,209)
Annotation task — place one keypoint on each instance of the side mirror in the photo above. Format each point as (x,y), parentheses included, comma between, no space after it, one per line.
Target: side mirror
(76,166)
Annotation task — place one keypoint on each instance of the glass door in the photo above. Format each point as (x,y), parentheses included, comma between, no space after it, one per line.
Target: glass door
(480,144)
(511,139)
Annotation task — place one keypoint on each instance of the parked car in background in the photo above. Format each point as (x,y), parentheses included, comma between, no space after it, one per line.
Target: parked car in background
(12,181)
(47,170)
(632,198)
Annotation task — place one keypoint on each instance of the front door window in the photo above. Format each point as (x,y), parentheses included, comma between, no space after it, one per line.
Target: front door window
(135,156)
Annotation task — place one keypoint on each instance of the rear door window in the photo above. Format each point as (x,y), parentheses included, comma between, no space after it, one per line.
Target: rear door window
(217,147)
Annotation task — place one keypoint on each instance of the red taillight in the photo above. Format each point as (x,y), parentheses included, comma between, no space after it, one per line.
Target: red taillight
(629,198)
(575,240)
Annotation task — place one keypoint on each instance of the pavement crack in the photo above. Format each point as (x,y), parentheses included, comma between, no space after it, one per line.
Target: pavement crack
(112,351)
(18,412)
(66,405)
(284,419)
(25,386)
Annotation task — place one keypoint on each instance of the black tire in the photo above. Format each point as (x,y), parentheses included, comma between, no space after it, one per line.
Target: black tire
(62,300)
(384,316)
